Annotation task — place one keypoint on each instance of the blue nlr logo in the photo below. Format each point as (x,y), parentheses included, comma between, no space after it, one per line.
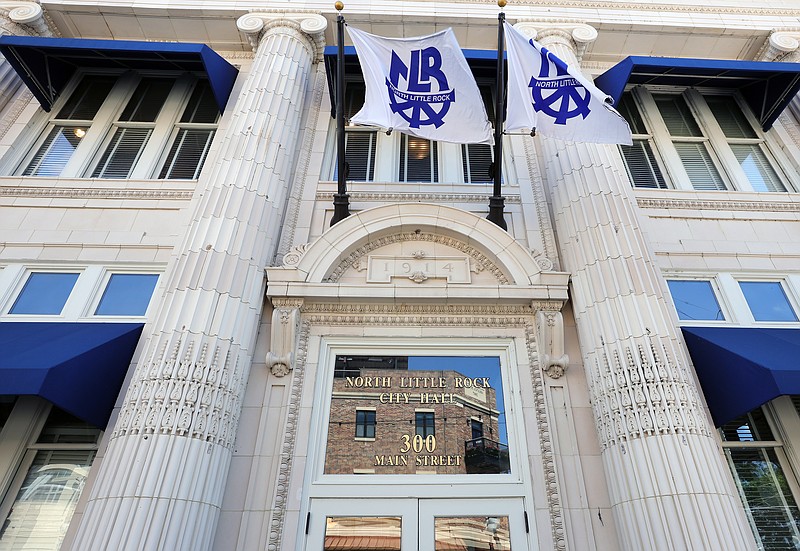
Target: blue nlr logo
(559,96)
(416,104)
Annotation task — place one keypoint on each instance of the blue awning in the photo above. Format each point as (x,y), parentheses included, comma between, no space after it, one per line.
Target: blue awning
(766,86)
(79,367)
(47,64)
(742,368)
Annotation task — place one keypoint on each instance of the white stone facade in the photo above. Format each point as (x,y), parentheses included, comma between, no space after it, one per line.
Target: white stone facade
(217,439)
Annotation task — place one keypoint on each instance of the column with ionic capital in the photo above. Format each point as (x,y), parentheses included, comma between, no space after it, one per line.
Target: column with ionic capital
(161,481)
(668,484)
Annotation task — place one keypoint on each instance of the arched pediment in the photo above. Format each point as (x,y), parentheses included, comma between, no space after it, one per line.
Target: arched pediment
(450,231)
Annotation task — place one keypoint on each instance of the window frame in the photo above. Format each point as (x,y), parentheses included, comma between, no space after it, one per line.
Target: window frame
(716,144)
(366,425)
(101,130)
(716,291)
(791,299)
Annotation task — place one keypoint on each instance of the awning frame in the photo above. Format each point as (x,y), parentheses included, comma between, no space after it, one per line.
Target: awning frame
(767,86)
(61,58)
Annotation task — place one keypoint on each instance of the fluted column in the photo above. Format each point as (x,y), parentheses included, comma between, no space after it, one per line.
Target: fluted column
(161,482)
(669,486)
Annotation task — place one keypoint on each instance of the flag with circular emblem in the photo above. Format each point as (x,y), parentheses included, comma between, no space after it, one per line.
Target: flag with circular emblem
(556,100)
(420,86)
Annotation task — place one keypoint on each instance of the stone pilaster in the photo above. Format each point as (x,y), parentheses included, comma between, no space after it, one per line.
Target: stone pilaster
(161,483)
(668,484)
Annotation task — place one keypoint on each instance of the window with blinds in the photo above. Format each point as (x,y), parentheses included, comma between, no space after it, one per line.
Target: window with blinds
(69,126)
(477,159)
(689,142)
(193,136)
(38,508)
(360,143)
(133,128)
(757,460)
(640,160)
(125,127)
(419,160)
(745,143)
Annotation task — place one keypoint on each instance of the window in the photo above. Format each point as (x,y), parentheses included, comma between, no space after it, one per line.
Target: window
(365,423)
(702,141)
(360,142)
(695,300)
(476,428)
(641,162)
(127,295)
(42,498)
(425,423)
(119,127)
(68,128)
(767,301)
(477,159)
(419,160)
(757,460)
(44,293)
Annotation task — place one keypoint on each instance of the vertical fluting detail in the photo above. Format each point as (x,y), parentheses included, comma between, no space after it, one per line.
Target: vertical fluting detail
(668,484)
(163,479)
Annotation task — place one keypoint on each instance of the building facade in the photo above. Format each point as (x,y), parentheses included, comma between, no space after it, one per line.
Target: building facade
(195,358)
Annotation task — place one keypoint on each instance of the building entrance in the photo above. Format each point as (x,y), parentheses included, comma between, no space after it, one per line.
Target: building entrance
(405,524)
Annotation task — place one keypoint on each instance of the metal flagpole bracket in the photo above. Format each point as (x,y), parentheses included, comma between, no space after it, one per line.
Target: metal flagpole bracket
(341,200)
(496,201)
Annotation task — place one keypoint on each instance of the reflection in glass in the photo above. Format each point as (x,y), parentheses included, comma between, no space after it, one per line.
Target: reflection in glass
(695,300)
(415,414)
(767,301)
(471,533)
(362,534)
(45,293)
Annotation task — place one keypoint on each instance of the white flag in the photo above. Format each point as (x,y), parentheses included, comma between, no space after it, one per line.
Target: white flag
(420,86)
(555,99)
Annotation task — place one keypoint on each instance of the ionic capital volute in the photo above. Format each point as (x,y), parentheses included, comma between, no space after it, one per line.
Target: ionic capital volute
(573,35)
(781,45)
(24,18)
(550,335)
(311,25)
(285,329)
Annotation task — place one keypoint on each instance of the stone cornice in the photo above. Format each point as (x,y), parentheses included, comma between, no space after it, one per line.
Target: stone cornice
(96,193)
(717,205)
(389,197)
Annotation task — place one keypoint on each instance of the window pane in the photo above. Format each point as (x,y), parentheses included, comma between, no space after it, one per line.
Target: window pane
(477,163)
(44,293)
(63,428)
(122,153)
(767,301)
(695,300)
(418,160)
(769,503)
(353,98)
(45,503)
(362,534)
(471,533)
(642,166)
(87,98)
(55,152)
(757,168)
(187,154)
(147,100)
(677,116)
(628,109)
(701,170)
(359,155)
(127,295)
(750,427)
(425,423)
(202,107)
(730,117)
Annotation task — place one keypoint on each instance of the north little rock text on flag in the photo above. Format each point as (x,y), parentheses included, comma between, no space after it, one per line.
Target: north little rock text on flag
(420,86)
(545,94)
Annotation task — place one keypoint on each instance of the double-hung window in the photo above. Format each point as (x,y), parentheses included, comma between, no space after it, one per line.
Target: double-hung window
(691,140)
(127,126)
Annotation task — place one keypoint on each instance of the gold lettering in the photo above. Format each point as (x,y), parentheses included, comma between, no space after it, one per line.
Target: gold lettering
(406,397)
(387,382)
(486,382)
(348,381)
(459,383)
(442,382)
(384,398)
(380,460)
(403,382)
(424,398)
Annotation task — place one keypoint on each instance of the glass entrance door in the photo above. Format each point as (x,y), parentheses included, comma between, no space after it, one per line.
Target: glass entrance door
(417,525)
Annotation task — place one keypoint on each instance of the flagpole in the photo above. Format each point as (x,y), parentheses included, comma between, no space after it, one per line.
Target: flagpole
(341,201)
(496,201)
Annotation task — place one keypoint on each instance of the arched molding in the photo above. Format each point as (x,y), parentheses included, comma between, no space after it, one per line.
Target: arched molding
(318,261)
